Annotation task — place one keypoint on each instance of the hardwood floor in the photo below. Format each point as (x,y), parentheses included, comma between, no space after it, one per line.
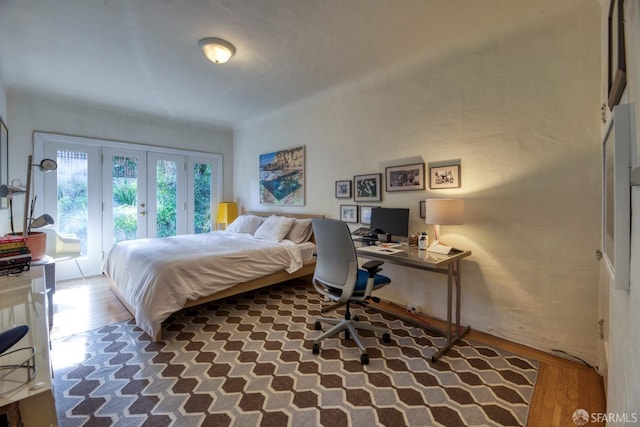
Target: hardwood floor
(562,386)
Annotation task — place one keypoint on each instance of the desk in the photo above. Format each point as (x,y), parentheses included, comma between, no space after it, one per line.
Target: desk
(23,301)
(410,256)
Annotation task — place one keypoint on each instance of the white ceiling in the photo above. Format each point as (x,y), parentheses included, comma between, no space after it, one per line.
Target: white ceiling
(143,55)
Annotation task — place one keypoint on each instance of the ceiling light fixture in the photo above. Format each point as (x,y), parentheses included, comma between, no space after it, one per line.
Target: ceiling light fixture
(217,50)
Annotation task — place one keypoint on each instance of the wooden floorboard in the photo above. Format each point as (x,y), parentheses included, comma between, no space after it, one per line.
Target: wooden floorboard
(562,385)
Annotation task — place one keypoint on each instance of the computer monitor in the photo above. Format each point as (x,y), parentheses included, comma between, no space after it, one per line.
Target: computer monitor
(390,221)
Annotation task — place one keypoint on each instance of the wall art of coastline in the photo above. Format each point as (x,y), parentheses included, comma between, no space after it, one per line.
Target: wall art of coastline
(282,177)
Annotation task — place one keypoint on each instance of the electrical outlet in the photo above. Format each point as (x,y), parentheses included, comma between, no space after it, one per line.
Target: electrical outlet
(411,308)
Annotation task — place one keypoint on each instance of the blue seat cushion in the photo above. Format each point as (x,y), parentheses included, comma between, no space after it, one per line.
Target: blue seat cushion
(363,276)
(11,336)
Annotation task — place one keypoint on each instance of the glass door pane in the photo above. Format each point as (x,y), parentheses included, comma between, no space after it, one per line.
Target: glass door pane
(166,198)
(204,183)
(202,198)
(124,195)
(72,189)
(166,214)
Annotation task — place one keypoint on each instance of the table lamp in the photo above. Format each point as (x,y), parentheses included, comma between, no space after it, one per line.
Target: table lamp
(443,212)
(227,212)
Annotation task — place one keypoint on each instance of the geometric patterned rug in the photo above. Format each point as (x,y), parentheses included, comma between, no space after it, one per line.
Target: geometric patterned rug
(247,361)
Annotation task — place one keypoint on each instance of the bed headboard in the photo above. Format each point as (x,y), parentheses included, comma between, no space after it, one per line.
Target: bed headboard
(292,215)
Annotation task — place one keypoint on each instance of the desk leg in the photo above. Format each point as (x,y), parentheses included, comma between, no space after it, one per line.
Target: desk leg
(50,285)
(453,272)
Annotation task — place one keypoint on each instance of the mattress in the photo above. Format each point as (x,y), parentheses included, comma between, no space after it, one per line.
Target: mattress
(158,276)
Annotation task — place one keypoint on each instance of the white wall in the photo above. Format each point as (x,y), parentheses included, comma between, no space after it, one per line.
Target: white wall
(4,214)
(522,112)
(3,101)
(29,113)
(623,382)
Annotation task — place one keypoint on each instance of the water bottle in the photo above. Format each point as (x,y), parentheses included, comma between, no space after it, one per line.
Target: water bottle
(423,241)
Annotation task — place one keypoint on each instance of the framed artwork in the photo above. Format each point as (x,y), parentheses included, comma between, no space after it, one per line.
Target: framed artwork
(365,215)
(349,213)
(343,189)
(282,177)
(405,178)
(4,160)
(617,69)
(423,208)
(616,196)
(368,187)
(444,177)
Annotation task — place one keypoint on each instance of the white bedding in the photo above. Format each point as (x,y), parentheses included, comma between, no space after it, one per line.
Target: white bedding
(158,276)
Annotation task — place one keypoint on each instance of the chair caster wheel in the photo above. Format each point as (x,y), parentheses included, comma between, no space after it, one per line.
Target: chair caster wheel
(317,326)
(364,358)
(347,335)
(316,349)
(356,318)
(386,338)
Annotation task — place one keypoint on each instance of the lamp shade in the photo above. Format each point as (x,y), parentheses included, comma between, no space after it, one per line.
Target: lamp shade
(227,212)
(217,50)
(10,190)
(42,221)
(444,211)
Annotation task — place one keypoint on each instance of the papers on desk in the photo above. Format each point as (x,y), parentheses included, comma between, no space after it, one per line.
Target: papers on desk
(380,249)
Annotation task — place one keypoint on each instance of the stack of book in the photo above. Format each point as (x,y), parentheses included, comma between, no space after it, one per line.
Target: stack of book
(15,256)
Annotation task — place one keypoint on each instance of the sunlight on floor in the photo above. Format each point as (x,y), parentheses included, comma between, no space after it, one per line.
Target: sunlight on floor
(69,351)
(80,307)
(71,309)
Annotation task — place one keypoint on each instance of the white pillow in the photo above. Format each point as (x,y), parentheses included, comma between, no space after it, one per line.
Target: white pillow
(274,228)
(300,231)
(245,224)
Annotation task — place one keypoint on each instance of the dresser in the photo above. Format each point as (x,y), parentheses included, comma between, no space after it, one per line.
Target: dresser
(24,301)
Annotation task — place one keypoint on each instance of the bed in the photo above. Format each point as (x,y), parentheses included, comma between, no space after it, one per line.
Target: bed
(155,278)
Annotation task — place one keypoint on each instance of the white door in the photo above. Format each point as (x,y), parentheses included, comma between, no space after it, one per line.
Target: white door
(124,195)
(75,205)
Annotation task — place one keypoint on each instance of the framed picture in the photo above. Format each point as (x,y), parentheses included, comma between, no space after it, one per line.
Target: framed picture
(349,213)
(616,196)
(343,189)
(4,160)
(282,177)
(444,177)
(617,69)
(365,215)
(423,208)
(368,187)
(405,178)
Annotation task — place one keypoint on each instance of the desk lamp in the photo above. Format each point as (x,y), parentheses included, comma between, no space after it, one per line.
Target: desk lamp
(46,165)
(227,212)
(443,212)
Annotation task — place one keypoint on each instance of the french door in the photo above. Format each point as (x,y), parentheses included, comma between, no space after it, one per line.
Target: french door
(74,187)
(106,192)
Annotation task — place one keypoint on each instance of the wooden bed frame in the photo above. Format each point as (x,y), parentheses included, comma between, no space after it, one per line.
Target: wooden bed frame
(278,277)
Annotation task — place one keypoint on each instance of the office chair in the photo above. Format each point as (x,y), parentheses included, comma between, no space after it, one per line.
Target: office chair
(14,359)
(338,277)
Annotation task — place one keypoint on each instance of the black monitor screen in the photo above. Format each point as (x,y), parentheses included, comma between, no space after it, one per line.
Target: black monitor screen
(392,221)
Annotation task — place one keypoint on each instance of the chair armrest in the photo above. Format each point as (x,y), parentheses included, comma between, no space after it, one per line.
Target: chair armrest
(373,267)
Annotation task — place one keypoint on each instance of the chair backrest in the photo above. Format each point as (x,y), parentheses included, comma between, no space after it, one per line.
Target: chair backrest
(61,245)
(336,263)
